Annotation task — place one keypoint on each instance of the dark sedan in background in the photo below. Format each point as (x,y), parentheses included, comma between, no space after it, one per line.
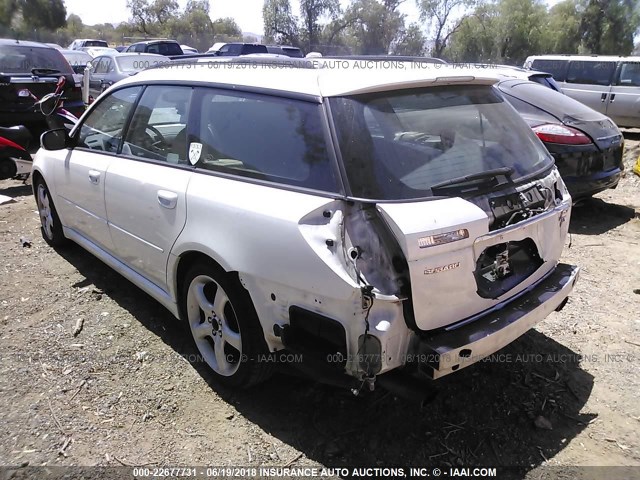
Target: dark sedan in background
(106,70)
(29,71)
(586,144)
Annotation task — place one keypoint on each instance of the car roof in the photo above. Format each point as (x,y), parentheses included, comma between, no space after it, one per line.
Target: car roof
(387,58)
(129,54)
(314,77)
(24,43)
(149,42)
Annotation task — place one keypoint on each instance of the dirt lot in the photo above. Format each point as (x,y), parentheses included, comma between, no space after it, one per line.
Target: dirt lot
(127,390)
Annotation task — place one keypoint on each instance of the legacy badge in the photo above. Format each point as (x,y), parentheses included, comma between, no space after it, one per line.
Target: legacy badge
(444,268)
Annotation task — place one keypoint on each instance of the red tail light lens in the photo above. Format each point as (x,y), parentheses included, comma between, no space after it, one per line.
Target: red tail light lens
(554,133)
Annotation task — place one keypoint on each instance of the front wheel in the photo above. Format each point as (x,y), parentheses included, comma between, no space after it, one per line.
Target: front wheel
(51,227)
(225,327)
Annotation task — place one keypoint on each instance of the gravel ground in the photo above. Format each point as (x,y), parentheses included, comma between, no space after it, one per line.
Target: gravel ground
(128,389)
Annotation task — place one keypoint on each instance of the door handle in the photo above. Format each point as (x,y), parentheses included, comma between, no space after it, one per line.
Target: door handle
(613,97)
(167,199)
(603,97)
(94,176)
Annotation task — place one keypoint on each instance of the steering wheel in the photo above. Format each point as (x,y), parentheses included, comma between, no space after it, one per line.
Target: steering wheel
(157,140)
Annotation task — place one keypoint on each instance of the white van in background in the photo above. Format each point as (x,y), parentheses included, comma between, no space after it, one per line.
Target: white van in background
(608,84)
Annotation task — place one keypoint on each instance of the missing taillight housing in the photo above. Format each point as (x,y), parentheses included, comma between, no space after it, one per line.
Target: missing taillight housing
(554,133)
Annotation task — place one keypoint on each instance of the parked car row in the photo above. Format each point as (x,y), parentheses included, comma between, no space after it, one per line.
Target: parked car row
(586,145)
(607,84)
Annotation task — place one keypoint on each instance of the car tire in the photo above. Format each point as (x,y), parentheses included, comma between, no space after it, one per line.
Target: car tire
(8,168)
(224,325)
(50,225)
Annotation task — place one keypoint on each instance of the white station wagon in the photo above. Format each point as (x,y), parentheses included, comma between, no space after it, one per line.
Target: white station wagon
(398,220)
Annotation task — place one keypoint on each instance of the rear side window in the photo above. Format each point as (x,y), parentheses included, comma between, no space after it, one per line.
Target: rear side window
(268,138)
(23,59)
(102,129)
(589,72)
(629,74)
(557,68)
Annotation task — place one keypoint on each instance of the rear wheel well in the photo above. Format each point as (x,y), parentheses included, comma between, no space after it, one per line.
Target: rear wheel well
(187,260)
(35,176)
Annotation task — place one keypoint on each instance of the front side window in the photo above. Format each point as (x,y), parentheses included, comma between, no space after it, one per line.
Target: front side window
(587,72)
(158,129)
(102,129)
(412,144)
(276,139)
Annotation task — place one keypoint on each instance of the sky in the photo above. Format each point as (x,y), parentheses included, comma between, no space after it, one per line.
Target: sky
(246,13)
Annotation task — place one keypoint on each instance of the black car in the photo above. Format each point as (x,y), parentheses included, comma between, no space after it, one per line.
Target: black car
(586,144)
(160,47)
(235,49)
(29,71)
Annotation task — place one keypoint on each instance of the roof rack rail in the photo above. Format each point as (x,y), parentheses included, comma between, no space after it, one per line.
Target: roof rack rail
(197,59)
(387,58)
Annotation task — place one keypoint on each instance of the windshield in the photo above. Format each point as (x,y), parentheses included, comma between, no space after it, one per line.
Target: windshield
(398,145)
(22,59)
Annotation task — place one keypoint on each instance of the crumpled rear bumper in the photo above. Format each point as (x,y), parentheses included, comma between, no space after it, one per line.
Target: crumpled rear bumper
(448,350)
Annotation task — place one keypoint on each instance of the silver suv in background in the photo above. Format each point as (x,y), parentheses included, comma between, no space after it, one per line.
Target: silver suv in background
(608,84)
(384,225)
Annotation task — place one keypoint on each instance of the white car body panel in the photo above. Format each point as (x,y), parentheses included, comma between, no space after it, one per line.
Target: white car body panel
(146,208)
(79,178)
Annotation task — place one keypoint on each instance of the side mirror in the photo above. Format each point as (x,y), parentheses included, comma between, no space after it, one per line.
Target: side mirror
(57,139)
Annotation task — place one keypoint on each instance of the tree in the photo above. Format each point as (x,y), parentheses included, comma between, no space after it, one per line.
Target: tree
(563,28)
(609,26)
(520,29)
(28,15)
(140,15)
(311,12)
(226,29)
(280,25)
(411,42)
(475,39)
(8,11)
(373,26)
(441,14)
(163,10)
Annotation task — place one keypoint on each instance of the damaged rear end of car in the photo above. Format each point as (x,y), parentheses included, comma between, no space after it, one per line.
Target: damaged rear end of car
(450,235)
